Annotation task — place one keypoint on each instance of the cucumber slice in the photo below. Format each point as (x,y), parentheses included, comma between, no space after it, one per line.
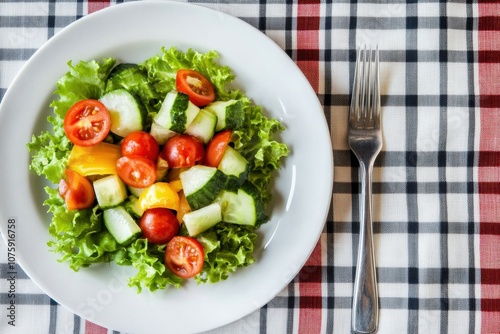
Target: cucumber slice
(133,79)
(229,114)
(110,191)
(203,126)
(176,112)
(235,166)
(121,225)
(127,113)
(202,219)
(201,185)
(160,133)
(136,191)
(243,207)
(132,206)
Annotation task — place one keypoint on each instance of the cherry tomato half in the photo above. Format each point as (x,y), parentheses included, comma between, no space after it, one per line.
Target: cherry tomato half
(183,151)
(159,225)
(196,86)
(87,123)
(184,256)
(76,190)
(140,143)
(136,171)
(216,148)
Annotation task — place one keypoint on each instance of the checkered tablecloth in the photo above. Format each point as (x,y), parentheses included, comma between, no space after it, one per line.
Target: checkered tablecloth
(436,181)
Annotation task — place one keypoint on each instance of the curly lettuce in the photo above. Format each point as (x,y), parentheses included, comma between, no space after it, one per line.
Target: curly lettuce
(228,248)
(255,141)
(78,234)
(148,260)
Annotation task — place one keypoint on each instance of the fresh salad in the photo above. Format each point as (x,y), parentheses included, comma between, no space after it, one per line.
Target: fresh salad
(157,165)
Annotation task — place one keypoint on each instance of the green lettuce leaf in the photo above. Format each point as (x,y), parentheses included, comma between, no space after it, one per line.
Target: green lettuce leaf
(227,247)
(256,142)
(151,270)
(50,152)
(78,234)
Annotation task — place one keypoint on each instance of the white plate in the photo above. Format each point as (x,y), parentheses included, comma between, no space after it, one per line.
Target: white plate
(133,32)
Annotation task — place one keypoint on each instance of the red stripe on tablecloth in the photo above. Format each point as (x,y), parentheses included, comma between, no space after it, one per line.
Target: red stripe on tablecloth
(489,101)
(490,276)
(95,5)
(91,328)
(308,24)
(489,159)
(310,301)
(489,306)
(488,56)
(492,188)
(307,58)
(489,187)
(489,22)
(490,229)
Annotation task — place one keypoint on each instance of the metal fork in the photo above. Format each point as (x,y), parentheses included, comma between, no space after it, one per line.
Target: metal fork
(365,140)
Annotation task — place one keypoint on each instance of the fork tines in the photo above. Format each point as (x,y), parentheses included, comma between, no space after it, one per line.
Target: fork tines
(365,104)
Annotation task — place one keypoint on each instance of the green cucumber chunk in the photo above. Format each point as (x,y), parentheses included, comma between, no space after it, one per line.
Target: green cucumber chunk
(201,185)
(121,225)
(110,191)
(127,113)
(136,191)
(176,112)
(203,126)
(131,204)
(243,206)
(161,134)
(235,166)
(202,219)
(230,114)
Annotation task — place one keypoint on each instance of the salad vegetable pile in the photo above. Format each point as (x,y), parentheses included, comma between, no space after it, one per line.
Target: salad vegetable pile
(157,165)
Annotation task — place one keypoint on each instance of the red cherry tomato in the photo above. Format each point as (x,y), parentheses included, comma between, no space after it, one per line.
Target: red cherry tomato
(136,171)
(194,84)
(184,256)
(76,190)
(87,123)
(159,225)
(216,148)
(183,151)
(140,143)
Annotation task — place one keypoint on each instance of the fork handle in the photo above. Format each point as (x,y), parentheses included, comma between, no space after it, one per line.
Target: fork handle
(365,298)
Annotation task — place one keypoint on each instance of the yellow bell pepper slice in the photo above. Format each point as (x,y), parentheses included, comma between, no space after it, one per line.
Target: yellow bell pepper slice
(159,195)
(173,174)
(183,207)
(161,168)
(99,159)
(176,185)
